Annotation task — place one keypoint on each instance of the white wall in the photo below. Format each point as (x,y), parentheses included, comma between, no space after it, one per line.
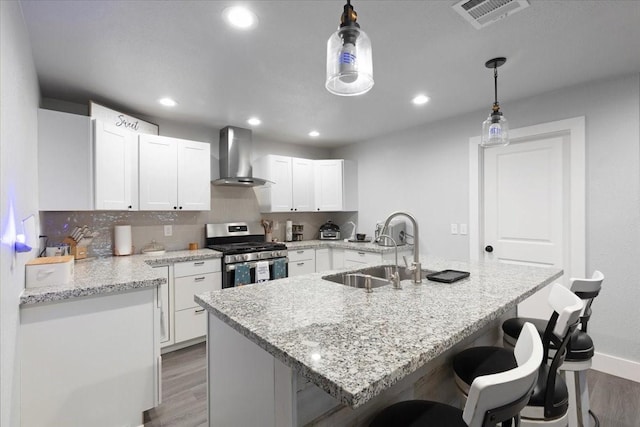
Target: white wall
(424,170)
(19,94)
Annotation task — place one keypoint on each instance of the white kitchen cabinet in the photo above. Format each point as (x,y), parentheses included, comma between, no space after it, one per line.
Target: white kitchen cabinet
(323,259)
(65,162)
(302,184)
(337,258)
(302,261)
(355,258)
(91,361)
(191,278)
(174,174)
(336,185)
(116,167)
(292,187)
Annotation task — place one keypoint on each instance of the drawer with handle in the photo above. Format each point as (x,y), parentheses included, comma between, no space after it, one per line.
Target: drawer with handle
(196,267)
(187,287)
(302,255)
(362,257)
(298,268)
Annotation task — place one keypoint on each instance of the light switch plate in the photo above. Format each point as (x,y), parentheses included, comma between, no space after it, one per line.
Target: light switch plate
(454,228)
(463,229)
(168,230)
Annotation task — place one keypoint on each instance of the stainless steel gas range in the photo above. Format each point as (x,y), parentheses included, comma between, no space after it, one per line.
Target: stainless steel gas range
(246,255)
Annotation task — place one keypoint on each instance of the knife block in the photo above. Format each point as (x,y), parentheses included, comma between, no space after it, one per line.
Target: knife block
(78,252)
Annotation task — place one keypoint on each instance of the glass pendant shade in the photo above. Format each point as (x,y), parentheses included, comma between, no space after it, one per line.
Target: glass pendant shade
(349,62)
(495,131)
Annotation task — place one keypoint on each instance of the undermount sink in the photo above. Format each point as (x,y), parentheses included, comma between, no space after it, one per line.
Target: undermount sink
(379,275)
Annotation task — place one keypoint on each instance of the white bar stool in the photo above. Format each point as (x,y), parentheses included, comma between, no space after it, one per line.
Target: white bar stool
(492,399)
(580,350)
(548,404)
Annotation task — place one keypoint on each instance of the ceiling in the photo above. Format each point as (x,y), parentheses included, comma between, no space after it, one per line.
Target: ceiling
(128,54)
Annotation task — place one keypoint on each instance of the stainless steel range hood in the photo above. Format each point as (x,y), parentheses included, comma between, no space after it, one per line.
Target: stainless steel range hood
(235,158)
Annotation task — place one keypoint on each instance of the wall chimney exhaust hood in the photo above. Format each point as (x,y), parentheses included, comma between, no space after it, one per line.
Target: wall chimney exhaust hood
(235,159)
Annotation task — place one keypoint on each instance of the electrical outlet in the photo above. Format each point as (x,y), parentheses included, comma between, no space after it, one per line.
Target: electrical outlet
(168,230)
(454,228)
(463,229)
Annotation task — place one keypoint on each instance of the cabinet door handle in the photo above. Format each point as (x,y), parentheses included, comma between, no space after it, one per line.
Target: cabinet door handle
(361,253)
(300,252)
(199,263)
(180,207)
(199,279)
(175,207)
(301,263)
(200,311)
(130,206)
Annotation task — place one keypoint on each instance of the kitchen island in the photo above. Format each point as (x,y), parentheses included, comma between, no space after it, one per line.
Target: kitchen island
(305,350)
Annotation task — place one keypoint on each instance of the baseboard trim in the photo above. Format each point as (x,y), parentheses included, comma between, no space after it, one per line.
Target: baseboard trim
(617,366)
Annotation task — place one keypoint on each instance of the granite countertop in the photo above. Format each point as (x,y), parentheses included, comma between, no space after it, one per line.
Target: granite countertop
(112,274)
(358,246)
(354,344)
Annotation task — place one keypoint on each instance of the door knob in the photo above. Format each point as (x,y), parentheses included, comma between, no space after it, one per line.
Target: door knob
(488,248)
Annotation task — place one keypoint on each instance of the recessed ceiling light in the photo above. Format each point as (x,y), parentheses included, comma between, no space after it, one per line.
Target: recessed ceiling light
(167,102)
(240,17)
(420,99)
(254,121)
(314,133)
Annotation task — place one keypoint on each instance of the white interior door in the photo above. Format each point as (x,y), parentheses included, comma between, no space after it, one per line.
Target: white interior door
(524,209)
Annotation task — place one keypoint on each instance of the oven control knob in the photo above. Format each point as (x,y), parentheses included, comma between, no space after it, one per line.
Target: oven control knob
(238,258)
(245,257)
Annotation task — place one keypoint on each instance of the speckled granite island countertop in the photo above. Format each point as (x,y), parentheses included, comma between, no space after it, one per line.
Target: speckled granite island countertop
(341,244)
(112,274)
(353,344)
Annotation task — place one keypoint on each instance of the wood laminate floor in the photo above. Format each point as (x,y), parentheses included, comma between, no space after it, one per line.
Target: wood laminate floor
(614,400)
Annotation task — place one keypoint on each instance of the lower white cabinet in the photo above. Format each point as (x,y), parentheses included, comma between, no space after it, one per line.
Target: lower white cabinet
(323,259)
(353,258)
(91,361)
(302,261)
(191,278)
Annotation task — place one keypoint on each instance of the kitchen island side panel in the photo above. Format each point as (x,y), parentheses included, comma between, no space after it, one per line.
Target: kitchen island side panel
(90,361)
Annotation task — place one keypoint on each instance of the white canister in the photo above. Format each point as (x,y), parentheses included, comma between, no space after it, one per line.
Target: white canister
(122,244)
(289,231)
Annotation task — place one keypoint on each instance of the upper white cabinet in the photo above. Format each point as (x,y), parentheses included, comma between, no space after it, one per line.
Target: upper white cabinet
(194,175)
(302,185)
(174,174)
(336,185)
(64,144)
(292,188)
(116,168)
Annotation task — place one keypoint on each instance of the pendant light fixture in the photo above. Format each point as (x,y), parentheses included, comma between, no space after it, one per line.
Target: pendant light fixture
(349,62)
(495,130)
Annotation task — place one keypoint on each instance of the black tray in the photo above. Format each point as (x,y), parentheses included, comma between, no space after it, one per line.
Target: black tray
(359,241)
(448,276)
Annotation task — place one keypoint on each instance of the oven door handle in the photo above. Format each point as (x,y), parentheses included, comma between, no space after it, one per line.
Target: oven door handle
(252,264)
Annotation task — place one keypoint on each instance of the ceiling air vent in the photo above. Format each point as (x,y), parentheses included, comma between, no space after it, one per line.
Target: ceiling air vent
(481,13)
